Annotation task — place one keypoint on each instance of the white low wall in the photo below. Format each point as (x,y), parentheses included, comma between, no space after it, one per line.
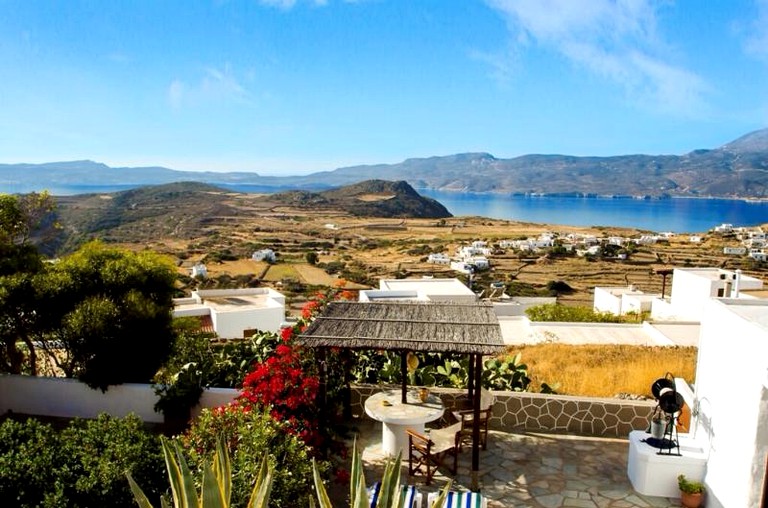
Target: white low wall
(69,398)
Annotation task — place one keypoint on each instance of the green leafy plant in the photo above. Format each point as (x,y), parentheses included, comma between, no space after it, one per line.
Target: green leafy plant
(30,462)
(689,486)
(99,452)
(250,435)
(216,483)
(82,465)
(506,373)
(390,493)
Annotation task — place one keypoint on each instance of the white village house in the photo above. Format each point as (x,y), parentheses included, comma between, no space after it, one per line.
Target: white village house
(230,312)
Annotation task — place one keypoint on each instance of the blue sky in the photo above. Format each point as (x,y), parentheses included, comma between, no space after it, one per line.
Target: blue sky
(295,86)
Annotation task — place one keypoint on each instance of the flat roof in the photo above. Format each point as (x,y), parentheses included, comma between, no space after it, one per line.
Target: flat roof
(517,330)
(755,311)
(238,303)
(444,287)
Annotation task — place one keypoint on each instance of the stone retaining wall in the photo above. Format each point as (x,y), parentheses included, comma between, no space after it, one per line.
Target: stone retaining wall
(537,412)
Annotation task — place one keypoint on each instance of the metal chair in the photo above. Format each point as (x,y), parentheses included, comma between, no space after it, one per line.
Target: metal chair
(428,452)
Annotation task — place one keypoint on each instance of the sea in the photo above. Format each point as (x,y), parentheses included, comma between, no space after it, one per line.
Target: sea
(678,215)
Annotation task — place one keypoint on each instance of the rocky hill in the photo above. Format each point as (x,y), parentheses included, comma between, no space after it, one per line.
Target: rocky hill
(371,198)
(184,210)
(736,169)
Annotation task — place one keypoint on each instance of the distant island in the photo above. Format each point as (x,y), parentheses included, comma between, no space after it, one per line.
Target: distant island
(738,169)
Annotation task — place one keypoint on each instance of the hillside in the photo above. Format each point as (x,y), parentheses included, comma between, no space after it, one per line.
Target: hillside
(738,169)
(371,198)
(186,210)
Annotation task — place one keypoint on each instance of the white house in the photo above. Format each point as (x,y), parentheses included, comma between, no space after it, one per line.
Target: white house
(230,312)
(198,270)
(758,254)
(267,255)
(731,400)
(724,228)
(694,239)
(734,251)
(426,290)
(622,300)
(438,259)
(693,287)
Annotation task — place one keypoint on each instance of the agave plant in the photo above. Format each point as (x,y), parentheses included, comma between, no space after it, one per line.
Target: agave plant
(390,493)
(216,489)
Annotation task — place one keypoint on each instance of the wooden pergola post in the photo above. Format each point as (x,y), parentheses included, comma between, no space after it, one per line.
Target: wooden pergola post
(478,370)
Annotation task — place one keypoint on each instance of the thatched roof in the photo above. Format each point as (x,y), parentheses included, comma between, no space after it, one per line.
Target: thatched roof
(433,327)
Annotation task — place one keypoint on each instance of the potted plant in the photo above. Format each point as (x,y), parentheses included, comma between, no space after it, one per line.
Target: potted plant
(691,492)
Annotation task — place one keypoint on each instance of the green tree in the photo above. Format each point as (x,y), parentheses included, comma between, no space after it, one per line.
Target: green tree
(21,217)
(108,313)
(312,257)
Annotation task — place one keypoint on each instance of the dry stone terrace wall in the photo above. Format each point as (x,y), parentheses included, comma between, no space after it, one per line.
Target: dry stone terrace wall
(536,412)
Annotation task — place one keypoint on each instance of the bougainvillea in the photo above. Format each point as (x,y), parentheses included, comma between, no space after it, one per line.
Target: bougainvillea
(284,385)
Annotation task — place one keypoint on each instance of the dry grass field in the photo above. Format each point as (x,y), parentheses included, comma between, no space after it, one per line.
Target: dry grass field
(605,371)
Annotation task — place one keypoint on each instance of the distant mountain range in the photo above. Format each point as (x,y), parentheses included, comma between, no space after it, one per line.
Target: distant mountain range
(738,169)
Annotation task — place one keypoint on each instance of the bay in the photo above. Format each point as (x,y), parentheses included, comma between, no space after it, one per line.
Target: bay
(679,215)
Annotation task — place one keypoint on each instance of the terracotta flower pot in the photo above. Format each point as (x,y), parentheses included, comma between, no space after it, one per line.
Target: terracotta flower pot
(691,500)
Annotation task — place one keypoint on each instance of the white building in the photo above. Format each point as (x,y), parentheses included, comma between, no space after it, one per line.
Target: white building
(734,251)
(695,239)
(693,287)
(267,255)
(758,254)
(438,259)
(198,270)
(426,290)
(622,300)
(724,228)
(732,404)
(230,312)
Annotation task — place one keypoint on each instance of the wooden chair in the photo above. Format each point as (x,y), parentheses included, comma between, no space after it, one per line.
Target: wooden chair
(466,419)
(428,452)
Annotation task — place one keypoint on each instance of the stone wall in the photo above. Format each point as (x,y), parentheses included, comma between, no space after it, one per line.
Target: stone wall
(537,412)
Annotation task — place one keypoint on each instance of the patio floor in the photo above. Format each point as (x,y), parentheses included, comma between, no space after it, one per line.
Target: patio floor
(533,470)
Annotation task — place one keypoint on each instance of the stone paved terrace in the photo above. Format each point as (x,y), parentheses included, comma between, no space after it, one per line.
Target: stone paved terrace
(534,470)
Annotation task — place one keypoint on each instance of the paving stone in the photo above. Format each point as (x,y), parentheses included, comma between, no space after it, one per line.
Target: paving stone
(550,500)
(580,503)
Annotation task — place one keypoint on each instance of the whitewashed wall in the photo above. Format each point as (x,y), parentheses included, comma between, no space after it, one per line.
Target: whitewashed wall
(70,398)
(732,393)
(606,301)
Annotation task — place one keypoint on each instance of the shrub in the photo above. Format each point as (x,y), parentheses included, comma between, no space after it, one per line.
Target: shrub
(249,436)
(99,453)
(29,464)
(557,312)
(83,465)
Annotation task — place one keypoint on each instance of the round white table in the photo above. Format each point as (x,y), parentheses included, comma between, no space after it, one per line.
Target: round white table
(387,407)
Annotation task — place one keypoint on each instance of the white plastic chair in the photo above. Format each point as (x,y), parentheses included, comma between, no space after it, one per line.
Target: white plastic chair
(456,499)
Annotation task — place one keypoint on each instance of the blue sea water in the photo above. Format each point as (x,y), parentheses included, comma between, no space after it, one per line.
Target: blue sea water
(680,215)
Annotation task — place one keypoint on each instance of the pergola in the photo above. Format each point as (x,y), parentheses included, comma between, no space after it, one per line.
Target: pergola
(403,326)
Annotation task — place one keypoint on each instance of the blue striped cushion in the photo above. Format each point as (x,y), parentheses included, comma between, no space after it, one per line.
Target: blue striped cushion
(463,500)
(410,496)
(373,494)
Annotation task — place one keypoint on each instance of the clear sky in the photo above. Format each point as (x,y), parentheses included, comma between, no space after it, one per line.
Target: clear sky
(295,86)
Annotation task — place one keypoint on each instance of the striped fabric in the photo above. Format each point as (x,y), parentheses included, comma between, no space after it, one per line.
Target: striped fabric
(412,496)
(460,500)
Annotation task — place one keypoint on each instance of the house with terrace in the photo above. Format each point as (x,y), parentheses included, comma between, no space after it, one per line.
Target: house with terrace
(233,313)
